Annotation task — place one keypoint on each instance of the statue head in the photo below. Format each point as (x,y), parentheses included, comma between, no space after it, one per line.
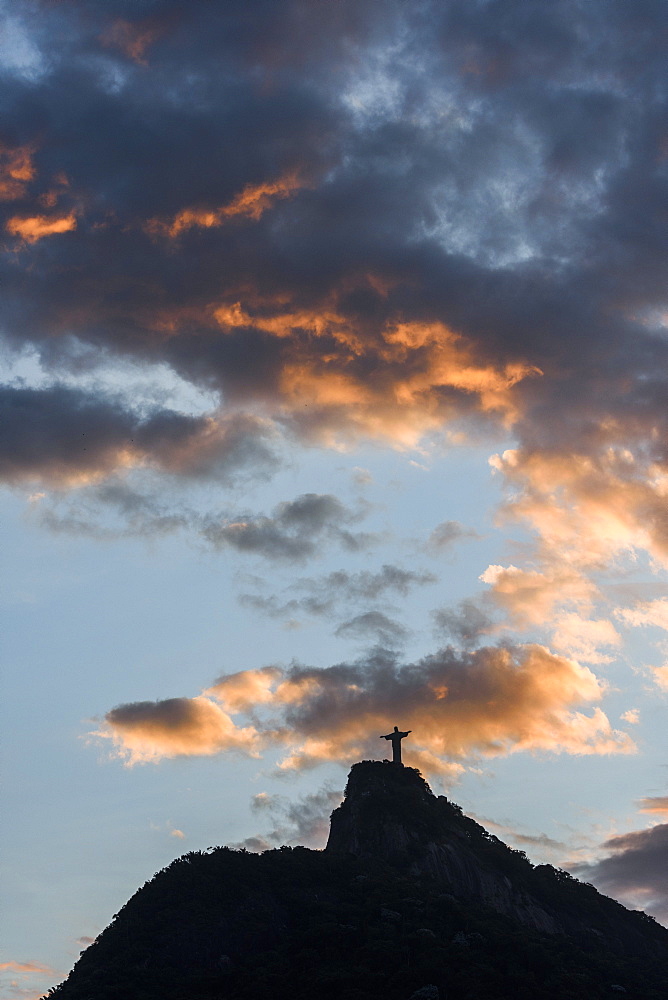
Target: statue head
(396,729)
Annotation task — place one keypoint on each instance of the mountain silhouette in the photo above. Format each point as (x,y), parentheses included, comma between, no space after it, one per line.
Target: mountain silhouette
(410,900)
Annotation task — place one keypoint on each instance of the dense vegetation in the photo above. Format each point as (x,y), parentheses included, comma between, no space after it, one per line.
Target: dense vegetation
(312,925)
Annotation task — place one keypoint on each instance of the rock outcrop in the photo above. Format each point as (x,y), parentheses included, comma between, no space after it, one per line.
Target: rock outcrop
(390,813)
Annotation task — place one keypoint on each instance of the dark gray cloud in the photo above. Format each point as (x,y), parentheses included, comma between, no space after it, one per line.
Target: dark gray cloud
(373,624)
(325,595)
(506,184)
(63,435)
(293,532)
(446,533)
(540,846)
(128,513)
(538,840)
(304,821)
(466,624)
(635,870)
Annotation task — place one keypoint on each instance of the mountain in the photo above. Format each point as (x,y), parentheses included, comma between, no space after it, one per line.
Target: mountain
(410,900)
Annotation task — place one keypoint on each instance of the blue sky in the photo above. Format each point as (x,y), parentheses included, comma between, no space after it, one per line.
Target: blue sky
(333,398)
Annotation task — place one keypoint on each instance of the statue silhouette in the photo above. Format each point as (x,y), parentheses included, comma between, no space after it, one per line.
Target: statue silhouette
(396,737)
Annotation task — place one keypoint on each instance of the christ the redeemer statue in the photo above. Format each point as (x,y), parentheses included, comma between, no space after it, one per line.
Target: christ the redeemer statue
(396,738)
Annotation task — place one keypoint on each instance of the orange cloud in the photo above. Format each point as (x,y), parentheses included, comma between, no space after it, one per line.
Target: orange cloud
(454,364)
(584,638)
(249,689)
(16,170)
(244,691)
(646,613)
(423,376)
(283,323)
(36,227)
(254,200)
(589,509)
(657,805)
(529,597)
(661,676)
(151,730)
(557,598)
(25,967)
(649,613)
(25,980)
(250,203)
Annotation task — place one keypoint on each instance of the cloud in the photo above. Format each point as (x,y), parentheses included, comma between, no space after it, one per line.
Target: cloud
(446,534)
(294,530)
(646,613)
(591,507)
(132,39)
(16,171)
(362,477)
(660,676)
(36,227)
(373,623)
(556,598)
(654,804)
(540,846)
(466,623)
(135,505)
(635,870)
(649,613)
(252,203)
(324,595)
(143,731)
(529,597)
(489,702)
(246,689)
(24,967)
(304,821)
(25,980)
(138,513)
(493,701)
(584,638)
(67,437)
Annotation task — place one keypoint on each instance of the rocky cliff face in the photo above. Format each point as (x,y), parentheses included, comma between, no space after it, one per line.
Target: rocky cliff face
(390,813)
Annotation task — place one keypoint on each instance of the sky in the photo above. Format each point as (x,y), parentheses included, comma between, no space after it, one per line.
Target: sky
(334,345)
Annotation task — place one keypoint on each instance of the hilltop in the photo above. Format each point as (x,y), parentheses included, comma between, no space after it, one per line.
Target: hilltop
(409,898)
